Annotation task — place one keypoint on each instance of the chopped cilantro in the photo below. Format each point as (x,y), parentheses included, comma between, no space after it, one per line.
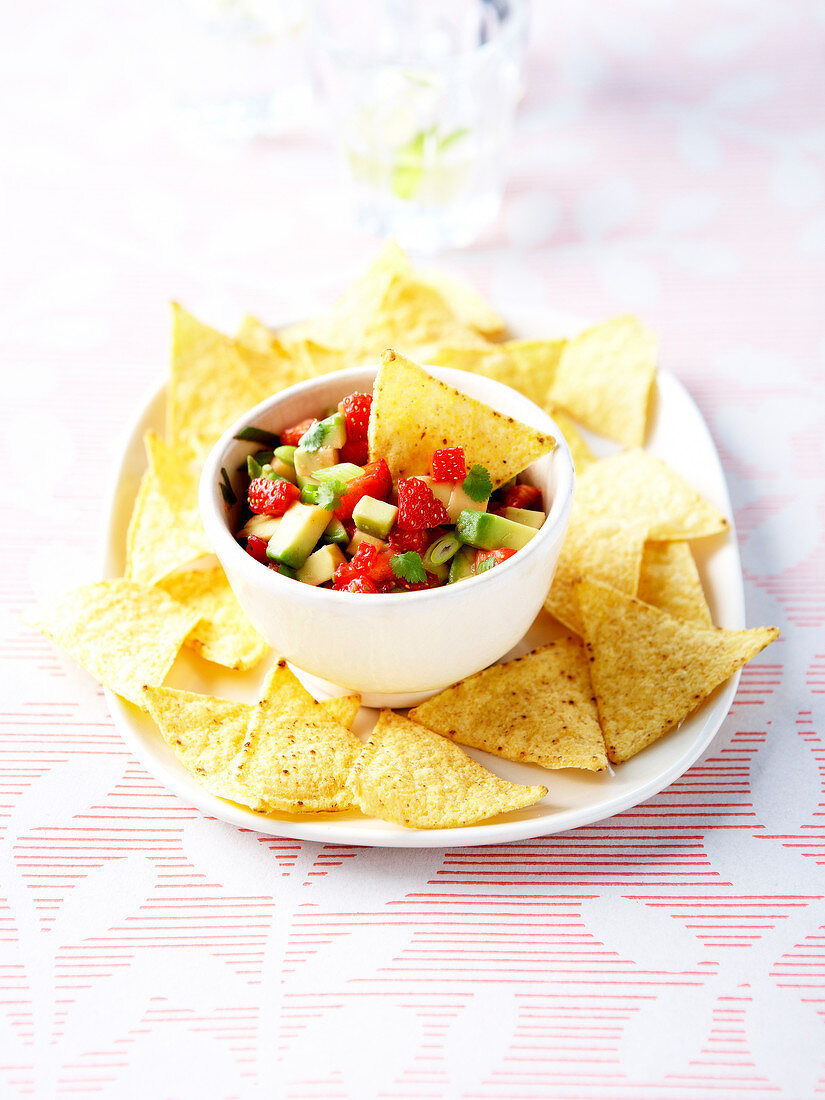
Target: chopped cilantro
(409,567)
(477,484)
(313,438)
(328,495)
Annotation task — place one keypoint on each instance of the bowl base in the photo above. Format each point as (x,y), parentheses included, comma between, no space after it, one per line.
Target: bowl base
(324,689)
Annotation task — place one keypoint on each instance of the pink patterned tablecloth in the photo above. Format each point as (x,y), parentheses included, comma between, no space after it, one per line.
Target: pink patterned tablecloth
(669,160)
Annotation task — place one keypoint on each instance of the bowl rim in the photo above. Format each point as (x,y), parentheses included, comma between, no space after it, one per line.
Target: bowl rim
(213,517)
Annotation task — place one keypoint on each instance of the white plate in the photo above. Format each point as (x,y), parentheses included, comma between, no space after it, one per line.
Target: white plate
(677,434)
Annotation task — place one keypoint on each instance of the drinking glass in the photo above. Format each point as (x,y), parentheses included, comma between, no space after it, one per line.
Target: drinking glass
(422,96)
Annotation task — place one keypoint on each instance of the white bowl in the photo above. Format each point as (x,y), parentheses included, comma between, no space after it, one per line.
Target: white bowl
(394,649)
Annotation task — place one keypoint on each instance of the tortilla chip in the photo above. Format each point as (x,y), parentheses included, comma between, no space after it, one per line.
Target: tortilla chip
(670,581)
(650,670)
(466,304)
(605,376)
(407,774)
(223,633)
(256,335)
(296,764)
(211,385)
(285,693)
(635,484)
(579,451)
(206,734)
(125,634)
(605,549)
(414,414)
(390,305)
(308,357)
(525,365)
(165,531)
(537,709)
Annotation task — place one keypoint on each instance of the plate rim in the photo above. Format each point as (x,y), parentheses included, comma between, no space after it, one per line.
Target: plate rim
(336,830)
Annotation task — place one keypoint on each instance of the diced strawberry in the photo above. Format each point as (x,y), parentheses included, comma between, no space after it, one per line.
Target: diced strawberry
(432,581)
(494,557)
(376,481)
(402,541)
(523,496)
(357,584)
(272,498)
(291,437)
(358,452)
(256,548)
(417,506)
(355,408)
(369,562)
(448,464)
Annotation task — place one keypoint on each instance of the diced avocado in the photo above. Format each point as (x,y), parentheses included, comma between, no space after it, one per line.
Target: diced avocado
(528,516)
(330,432)
(460,502)
(360,537)
(488,532)
(303,481)
(374,517)
(440,489)
(286,453)
(320,566)
(263,527)
(307,462)
(461,564)
(278,471)
(300,528)
(336,532)
(284,570)
(341,471)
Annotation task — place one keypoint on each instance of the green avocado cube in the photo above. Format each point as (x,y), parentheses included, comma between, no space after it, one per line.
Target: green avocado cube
(300,528)
(307,462)
(286,453)
(330,432)
(530,517)
(374,517)
(488,532)
(320,566)
(336,532)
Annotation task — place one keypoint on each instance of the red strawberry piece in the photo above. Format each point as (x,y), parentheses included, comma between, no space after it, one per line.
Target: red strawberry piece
(496,557)
(376,481)
(432,581)
(448,464)
(402,541)
(417,506)
(355,408)
(272,498)
(256,548)
(523,496)
(357,584)
(291,437)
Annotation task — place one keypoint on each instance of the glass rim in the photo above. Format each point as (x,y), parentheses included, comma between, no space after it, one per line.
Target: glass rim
(333,45)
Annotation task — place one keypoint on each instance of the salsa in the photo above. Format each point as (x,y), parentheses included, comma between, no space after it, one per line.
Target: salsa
(319,511)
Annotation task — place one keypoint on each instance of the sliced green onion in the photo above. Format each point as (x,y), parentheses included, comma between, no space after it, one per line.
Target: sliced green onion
(253,467)
(227,491)
(441,551)
(258,435)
